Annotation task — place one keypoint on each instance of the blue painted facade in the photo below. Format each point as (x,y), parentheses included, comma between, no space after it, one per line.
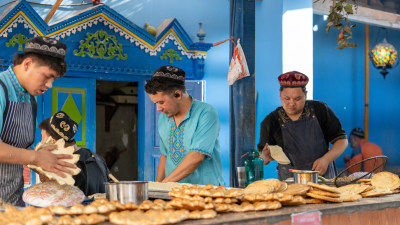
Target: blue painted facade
(102,45)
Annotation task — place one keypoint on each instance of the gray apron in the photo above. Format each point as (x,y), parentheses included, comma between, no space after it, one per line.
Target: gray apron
(19,124)
(304,143)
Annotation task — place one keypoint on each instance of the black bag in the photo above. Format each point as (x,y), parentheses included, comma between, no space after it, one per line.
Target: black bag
(94,172)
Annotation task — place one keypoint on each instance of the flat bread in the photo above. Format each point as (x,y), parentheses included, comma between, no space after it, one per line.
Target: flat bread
(325,198)
(297,200)
(314,201)
(269,205)
(353,188)
(61,149)
(324,193)
(350,197)
(377,192)
(283,187)
(297,189)
(324,187)
(263,187)
(384,180)
(51,193)
(278,154)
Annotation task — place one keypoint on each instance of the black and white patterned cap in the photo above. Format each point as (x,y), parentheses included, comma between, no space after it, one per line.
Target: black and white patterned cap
(171,73)
(46,46)
(357,132)
(62,126)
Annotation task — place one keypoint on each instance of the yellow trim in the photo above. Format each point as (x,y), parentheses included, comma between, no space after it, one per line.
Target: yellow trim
(176,36)
(126,30)
(29,21)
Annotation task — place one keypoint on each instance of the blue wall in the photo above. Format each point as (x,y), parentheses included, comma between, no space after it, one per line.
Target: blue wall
(268,65)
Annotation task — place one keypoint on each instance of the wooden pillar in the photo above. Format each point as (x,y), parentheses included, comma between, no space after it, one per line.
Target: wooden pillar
(242,93)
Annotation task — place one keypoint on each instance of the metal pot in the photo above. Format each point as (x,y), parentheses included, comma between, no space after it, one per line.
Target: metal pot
(132,191)
(111,191)
(305,176)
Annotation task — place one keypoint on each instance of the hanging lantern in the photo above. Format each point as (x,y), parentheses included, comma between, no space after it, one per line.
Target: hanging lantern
(384,56)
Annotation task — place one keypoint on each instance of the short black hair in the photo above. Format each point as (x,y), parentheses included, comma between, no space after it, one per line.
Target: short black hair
(302,88)
(163,85)
(56,64)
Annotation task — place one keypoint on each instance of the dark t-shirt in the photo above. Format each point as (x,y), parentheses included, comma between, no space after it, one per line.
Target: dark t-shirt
(271,132)
(94,172)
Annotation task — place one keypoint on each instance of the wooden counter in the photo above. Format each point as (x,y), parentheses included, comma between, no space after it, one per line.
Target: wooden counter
(379,210)
(367,211)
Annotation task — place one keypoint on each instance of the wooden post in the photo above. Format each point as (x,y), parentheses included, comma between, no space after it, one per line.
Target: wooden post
(52,11)
(242,92)
(366,86)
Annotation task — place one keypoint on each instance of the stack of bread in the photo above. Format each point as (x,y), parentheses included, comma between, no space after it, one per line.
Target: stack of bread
(58,190)
(202,202)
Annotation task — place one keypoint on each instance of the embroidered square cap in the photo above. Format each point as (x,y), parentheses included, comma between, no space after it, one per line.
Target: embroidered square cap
(170,73)
(46,46)
(293,79)
(62,126)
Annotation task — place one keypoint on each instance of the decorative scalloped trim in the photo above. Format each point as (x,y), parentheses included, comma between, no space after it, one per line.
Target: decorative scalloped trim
(142,45)
(14,24)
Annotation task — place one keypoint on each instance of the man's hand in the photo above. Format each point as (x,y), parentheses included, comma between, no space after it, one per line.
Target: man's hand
(346,159)
(265,154)
(320,165)
(52,162)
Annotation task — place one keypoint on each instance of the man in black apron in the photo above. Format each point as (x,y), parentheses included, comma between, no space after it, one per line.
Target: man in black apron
(31,74)
(303,129)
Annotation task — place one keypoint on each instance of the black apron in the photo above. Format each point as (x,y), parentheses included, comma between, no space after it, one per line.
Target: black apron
(19,124)
(304,143)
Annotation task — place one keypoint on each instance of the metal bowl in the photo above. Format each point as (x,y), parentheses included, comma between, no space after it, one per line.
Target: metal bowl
(127,191)
(305,176)
(111,191)
(132,191)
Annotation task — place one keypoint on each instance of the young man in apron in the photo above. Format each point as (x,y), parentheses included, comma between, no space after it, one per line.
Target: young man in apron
(303,129)
(31,74)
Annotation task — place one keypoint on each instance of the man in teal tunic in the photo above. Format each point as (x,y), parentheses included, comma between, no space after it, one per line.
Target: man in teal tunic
(188,129)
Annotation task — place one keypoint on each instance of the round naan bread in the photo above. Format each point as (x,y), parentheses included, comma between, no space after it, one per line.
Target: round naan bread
(51,193)
(278,154)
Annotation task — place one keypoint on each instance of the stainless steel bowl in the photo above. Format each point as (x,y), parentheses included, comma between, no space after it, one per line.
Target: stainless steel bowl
(111,191)
(305,176)
(132,191)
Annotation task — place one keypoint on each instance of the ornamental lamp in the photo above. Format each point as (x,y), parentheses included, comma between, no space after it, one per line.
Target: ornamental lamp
(384,56)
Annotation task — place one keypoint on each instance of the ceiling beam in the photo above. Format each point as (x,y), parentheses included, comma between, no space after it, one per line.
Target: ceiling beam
(363,15)
(52,11)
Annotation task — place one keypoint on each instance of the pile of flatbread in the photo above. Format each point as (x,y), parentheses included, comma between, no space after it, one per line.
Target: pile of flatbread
(60,150)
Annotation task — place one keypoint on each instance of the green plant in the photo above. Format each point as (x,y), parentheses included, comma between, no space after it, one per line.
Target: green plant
(338,19)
